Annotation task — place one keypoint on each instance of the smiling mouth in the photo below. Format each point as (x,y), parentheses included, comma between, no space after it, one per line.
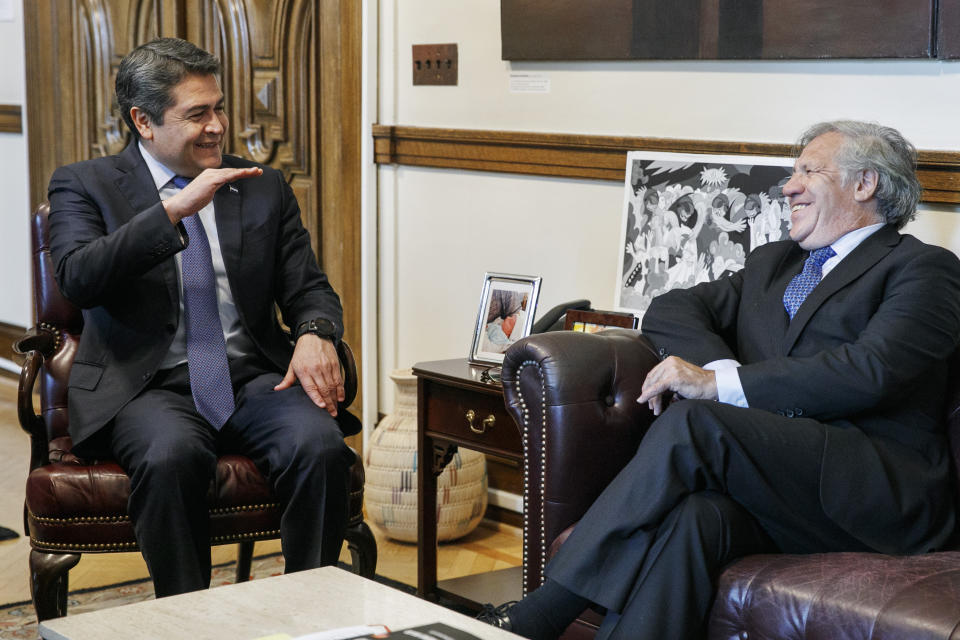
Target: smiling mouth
(209,145)
(797,207)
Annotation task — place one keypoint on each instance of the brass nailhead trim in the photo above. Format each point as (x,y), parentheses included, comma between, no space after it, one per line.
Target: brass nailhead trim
(57,335)
(256,535)
(526,467)
(79,519)
(250,507)
(125,518)
(37,543)
(113,546)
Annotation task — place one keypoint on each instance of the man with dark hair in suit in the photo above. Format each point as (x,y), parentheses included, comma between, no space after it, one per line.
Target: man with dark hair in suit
(800,405)
(179,256)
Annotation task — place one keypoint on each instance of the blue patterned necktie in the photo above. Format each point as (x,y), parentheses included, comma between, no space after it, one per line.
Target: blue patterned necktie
(807,280)
(206,346)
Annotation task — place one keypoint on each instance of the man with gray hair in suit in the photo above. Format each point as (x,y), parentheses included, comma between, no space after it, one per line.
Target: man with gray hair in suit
(800,405)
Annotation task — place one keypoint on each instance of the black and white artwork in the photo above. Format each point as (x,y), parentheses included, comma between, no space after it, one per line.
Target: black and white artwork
(691,218)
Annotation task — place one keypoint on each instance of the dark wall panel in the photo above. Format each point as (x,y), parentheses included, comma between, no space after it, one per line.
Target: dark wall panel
(948,32)
(723,29)
(566,29)
(851,29)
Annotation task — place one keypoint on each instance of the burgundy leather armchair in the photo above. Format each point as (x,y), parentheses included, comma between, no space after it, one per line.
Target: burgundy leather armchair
(574,397)
(76,506)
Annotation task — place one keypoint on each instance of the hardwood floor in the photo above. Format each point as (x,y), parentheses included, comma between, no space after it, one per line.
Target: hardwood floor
(490,547)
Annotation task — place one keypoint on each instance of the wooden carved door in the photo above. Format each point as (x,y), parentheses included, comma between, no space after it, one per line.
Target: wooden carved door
(290,78)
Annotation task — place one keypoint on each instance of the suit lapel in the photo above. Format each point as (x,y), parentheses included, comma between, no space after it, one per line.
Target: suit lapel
(778,322)
(134,180)
(867,254)
(226,203)
(136,184)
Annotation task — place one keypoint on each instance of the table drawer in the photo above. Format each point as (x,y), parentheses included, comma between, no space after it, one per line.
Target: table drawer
(448,414)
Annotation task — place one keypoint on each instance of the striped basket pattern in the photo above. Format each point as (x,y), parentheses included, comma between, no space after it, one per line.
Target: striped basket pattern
(390,462)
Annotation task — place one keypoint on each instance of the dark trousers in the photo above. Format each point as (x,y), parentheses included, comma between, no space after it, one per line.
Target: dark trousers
(709,483)
(170,454)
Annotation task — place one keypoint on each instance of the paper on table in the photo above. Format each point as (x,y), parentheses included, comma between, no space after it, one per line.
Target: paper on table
(343,633)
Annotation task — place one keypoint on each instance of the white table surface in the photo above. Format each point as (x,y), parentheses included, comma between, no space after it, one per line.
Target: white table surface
(294,604)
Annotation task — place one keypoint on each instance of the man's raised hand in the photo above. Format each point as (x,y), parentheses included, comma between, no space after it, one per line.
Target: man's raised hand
(199,192)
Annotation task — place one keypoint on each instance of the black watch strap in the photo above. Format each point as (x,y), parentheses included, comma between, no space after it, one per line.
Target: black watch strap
(320,327)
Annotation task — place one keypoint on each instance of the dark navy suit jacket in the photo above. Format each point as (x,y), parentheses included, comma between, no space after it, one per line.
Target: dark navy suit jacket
(866,355)
(112,247)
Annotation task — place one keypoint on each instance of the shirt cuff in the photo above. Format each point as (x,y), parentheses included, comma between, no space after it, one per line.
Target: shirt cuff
(729,389)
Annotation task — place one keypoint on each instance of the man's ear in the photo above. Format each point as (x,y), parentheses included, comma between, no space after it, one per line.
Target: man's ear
(142,122)
(866,185)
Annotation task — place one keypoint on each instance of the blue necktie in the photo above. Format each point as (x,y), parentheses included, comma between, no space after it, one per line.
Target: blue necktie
(807,280)
(206,346)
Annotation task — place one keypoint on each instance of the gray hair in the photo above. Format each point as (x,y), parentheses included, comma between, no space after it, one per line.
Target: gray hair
(149,72)
(868,145)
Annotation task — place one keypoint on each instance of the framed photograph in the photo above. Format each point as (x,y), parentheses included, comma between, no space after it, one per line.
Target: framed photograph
(594,321)
(692,218)
(507,306)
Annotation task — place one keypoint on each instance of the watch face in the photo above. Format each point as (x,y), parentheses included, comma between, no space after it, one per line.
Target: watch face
(323,327)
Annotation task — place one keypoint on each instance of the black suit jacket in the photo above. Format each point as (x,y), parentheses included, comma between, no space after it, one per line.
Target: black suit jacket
(865,355)
(112,247)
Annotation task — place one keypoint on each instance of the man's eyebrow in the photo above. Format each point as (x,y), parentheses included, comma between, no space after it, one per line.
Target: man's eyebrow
(198,108)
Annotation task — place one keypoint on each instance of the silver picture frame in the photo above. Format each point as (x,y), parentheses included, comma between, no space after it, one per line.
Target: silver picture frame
(508,303)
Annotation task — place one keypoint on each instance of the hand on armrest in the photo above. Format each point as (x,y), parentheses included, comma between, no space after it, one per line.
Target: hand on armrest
(573,396)
(587,382)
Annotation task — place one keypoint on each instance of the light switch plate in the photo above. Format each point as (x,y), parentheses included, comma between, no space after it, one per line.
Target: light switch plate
(435,64)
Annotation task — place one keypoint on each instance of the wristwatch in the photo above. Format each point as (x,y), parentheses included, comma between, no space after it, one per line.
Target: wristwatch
(320,327)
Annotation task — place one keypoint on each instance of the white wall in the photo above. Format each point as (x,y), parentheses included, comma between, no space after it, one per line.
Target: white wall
(15,300)
(440,230)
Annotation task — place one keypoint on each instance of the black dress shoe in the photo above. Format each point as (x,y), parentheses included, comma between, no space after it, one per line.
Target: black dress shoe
(498,617)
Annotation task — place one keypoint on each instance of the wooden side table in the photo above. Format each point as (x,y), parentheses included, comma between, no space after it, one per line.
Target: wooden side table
(455,407)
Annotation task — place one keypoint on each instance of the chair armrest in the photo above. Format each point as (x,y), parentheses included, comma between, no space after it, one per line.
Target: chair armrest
(34,346)
(349,365)
(349,423)
(43,339)
(573,396)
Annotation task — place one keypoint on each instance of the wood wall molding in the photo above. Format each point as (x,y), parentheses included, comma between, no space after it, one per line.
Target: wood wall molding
(11,118)
(593,157)
(8,334)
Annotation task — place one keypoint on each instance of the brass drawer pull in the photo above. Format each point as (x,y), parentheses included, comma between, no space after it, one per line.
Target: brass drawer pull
(487,423)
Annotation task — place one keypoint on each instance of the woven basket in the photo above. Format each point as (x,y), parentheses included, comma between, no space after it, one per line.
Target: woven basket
(390,461)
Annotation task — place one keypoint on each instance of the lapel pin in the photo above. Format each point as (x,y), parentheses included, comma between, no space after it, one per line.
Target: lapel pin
(234,189)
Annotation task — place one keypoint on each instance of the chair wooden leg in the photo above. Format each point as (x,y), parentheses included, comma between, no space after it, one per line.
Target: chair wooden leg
(49,580)
(363,549)
(244,560)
